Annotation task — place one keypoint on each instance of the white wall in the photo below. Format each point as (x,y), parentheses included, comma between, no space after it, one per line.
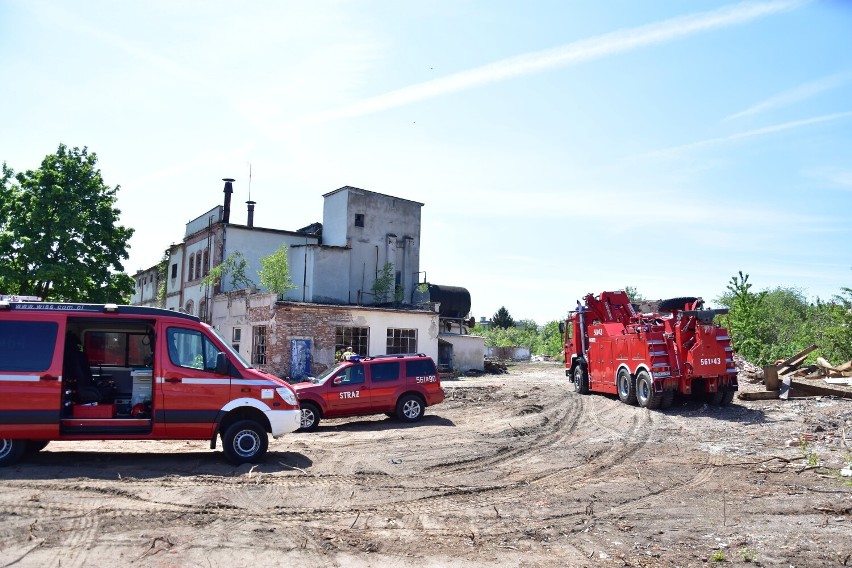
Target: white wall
(468,351)
(254,244)
(334,218)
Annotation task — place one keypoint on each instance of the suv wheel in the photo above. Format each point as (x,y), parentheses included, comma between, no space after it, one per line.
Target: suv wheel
(244,442)
(310,417)
(410,408)
(11,450)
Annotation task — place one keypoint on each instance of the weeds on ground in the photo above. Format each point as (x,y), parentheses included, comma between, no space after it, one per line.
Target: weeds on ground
(808,453)
(747,555)
(718,556)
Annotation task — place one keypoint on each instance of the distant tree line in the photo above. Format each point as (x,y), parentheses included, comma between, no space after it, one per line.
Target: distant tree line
(776,323)
(764,326)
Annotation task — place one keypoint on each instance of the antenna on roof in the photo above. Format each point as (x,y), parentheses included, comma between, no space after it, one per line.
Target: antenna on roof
(249,184)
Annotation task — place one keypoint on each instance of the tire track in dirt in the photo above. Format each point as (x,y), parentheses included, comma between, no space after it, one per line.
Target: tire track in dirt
(558,421)
(663,493)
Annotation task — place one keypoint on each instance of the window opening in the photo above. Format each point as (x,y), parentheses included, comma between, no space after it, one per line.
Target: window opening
(401,341)
(258,348)
(359,219)
(236,335)
(358,338)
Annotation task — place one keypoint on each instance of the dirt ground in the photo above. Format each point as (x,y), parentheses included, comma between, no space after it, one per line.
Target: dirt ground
(513,469)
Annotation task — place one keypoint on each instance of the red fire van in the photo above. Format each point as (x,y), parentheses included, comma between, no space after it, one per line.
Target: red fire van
(109,372)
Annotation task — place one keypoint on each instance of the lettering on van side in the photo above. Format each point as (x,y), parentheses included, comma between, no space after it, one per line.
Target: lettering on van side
(427,379)
(350,394)
(713,361)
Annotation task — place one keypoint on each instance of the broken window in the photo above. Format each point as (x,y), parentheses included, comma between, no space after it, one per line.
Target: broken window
(401,341)
(358,338)
(258,347)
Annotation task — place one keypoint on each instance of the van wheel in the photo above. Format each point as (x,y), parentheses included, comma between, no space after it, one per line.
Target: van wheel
(310,417)
(410,408)
(244,442)
(728,397)
(35,446)
(11,451)
(626,387)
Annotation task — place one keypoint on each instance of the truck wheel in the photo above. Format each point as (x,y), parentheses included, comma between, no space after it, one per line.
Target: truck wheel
(11,451)
(310,417)
(244,442)
(581,378)
(645,395)
(674,304)
(714,398)
(410,408)
(728,397)
(626,387)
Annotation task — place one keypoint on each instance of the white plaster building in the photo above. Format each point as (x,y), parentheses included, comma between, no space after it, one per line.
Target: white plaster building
(333,266)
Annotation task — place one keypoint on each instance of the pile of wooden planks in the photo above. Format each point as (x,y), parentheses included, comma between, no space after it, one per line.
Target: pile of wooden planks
(790,378)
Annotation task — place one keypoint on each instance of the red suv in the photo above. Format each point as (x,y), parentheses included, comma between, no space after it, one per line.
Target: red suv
(400,384)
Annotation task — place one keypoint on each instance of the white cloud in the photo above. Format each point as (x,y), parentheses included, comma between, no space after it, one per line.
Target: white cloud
(573,53)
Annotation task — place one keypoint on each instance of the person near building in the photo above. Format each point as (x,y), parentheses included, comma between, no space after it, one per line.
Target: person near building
(348,354)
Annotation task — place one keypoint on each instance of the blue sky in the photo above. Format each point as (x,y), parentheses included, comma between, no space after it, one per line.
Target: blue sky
(560,147)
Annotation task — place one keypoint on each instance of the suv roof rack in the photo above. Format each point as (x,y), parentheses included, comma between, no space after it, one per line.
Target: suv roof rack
(393,356)
(77,308)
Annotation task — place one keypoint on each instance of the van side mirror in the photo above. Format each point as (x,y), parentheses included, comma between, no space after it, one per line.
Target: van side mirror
(562,327)
(223,366)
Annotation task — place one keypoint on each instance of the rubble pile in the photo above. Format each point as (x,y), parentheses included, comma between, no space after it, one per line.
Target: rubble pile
(791,378)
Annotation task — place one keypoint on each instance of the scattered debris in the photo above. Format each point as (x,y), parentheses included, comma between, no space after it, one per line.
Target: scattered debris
(786,379)
(495,367)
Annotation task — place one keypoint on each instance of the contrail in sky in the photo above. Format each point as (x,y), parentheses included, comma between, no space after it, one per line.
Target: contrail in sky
(792,96)
(572,53)
(752,133)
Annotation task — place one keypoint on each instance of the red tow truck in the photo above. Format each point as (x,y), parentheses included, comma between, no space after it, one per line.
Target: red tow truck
(647,353)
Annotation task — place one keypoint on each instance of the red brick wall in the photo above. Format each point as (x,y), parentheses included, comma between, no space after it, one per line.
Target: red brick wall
(299,321)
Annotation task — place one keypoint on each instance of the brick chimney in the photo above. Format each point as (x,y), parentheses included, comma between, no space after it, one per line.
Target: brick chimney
(250,213)
(229,189)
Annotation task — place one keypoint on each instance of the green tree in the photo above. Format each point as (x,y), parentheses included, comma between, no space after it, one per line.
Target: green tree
(502,319)
(384,284)
(275,272)
(743,316)
(551,340)
(162,274)
(59,232)
(829,325)
(233,267)
(633,294)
